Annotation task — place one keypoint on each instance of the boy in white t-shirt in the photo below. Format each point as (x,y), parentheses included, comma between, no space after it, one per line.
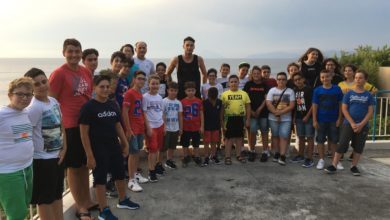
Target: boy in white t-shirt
(211,77)
(223,80)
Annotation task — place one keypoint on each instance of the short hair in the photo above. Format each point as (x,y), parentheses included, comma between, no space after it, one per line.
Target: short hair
(108,72)
(189,85)
(256,68)
(34,72)
(233,76)
(127,45)
(136,44)
(265,67)
(89,51)
(324,71)
(365,74)
(292,64)
(298,74)
(98,78)
(173,85)
(353,67)
(71,41)
(189,39)
(152,77)
(161,64)
(212,93)
(281,74)
(139,72)
(119,54)
(225,65)
(20,82)
(129,62)
(244,64)
(212,70)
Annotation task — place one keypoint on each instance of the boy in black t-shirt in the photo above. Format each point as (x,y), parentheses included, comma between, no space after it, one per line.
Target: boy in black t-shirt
(99,129)
(164,79)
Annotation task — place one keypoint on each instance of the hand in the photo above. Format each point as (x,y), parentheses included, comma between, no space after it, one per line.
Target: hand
(91,163)
(359,128)
(61,156)
(180,132)
(305,119)
(277,113)
(315,125)
(129,133)
(247,123)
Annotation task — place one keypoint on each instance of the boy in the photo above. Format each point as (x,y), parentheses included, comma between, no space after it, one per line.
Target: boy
(234,117)
(243,70)
(212,126)
(257,92)
(133,120)
(99,130)
(90,59)
(153,114)
(192,123)
(266,74)
(160,70)
(223,80)
(173,120)
(211,76)
(357,108)
(326,114)
(16,151)
(123,84)
(49,151)
(303,120)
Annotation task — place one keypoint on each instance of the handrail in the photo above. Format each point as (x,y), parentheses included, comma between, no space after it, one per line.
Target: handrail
(375,111)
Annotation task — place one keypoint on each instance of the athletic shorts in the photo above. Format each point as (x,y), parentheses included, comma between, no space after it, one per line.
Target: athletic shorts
(190,136)
(156,141)
(48,181)
(75,155)
(170,140)
(136,143)
(280,129)
(259,124)
(108,161)
(327,131)
(304,129)
(211,136)
(234,127)
(358,139)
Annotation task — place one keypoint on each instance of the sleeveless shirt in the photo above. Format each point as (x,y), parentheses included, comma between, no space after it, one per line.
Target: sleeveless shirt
(188,72)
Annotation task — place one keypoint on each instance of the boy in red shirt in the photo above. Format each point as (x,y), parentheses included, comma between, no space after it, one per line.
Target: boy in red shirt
(192,123)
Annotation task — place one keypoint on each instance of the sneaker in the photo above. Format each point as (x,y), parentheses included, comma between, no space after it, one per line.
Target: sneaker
(320,164)
(140,178)
(251,156)
(331,169)
(106,214)
(215,160)
(198,161)
(170,164)
(298,159)
(339,166)
(206,162)
(308,163)
(282,160)
(127,204)
(264,157)
(276,157)
(152,176)
(159,169)
(350,157)
(355,171)
(134,186)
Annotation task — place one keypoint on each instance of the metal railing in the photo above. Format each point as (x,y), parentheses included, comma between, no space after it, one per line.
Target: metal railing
(380,122)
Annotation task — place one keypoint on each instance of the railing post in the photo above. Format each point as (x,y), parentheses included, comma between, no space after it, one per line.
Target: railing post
(374,122)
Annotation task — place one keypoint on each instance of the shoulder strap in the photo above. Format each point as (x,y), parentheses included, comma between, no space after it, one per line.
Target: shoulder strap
(280,98)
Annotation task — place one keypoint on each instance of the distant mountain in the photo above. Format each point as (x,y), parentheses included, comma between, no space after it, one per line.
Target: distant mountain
(292,54)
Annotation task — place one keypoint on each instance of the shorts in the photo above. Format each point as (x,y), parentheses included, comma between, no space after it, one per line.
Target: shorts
(211,136)
(358,139)
(156,141)
(108,161)
(234,127)
(75,155)
(259,123)
(187,136)
(15,192)
(304,129)
(280,129)
(136,143)
(170,140)
(327,131)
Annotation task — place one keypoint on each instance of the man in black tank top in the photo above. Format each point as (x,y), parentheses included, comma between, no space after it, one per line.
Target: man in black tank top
(189,66)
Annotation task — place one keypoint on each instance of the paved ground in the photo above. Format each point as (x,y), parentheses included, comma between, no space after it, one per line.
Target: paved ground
(267,191)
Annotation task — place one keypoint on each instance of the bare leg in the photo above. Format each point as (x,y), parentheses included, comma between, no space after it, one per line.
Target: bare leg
(196,151)
(310,146)
(283,145)
(336,159)
(170,154)
(228,147)
(355,159)
(332,148)
(264,141)
(101,196)
(76,179)
(321,152)
(121,187)
(132,165)
(206,149)
(301,146)
(58,209)
(152,159)
(160,157)
(239,144)
(213,149)
(45,212)
(185,151)
(275,144)
(252,140)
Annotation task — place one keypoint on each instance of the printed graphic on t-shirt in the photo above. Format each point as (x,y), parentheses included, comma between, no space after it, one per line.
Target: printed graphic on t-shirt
(358,99)
(300,99)
(137,107)
(79,86)
(23,132)
(51,129)
(154,106)
(284,101)
(327,101)
(191,111)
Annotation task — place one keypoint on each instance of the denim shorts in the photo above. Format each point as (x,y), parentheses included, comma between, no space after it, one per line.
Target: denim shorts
(280,129)
(136,143)
(259,123)
(327,131)
(304,129)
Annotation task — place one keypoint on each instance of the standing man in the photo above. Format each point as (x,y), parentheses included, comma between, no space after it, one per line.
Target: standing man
(142,63)
(71,85)
(188,66)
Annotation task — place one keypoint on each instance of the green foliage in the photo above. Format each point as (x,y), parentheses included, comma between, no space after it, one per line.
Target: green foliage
(367,58)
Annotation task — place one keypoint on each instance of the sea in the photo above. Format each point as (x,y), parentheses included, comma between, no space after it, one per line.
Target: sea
(12,68)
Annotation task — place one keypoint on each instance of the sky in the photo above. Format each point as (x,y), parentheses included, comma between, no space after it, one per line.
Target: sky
(221,28)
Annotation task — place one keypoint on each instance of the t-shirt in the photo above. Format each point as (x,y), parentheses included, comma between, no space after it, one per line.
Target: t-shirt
(311,73)
(358,104)
(152,105)
(16,145)
(147,67)
(102,119)
(120,91)
(345,87)
(133,100)
(274,96)
(328,103)
(205,88)
(257,93)
(192,109)
(270,83)
(74,89)
(224,81)
(242,83)
(303,98)
(234,103)
(45,118)
(212,115)
(172,109)
(162,90)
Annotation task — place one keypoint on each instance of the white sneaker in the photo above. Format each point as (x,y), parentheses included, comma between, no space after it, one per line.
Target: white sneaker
(320,164)
(140,178)
(340,166)
(134,186)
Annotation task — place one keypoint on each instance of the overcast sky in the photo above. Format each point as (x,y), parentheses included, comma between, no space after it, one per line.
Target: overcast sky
(222,28)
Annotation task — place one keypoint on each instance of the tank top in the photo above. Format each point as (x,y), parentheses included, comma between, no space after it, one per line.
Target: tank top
(188,72)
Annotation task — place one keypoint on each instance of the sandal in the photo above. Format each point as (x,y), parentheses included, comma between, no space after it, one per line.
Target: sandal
(241,159)
(228,161)
(93,208)
(83,215)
